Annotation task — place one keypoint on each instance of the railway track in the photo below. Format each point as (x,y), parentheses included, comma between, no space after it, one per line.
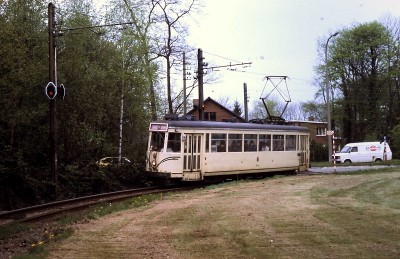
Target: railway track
(54,209)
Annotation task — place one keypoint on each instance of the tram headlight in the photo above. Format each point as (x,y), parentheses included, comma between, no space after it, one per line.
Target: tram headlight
(153,163)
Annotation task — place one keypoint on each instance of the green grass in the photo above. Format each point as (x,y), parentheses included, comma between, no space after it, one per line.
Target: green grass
(347,216)
(362,221)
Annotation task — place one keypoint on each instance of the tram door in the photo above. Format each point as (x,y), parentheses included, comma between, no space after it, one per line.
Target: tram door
(303,141)
(192,157)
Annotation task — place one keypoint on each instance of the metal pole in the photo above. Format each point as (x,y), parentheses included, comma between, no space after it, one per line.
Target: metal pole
(384,149)
(328,102)
(53,78)
(334,153)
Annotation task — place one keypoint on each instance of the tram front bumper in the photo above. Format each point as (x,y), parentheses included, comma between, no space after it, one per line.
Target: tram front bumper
(166,175)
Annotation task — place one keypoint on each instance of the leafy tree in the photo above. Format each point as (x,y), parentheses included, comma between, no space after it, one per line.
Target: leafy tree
(258,110)
(357,67)
(89,114)
(23,105)
(141,15)
(23,72)
(237,109)
(314,109)
(93,107)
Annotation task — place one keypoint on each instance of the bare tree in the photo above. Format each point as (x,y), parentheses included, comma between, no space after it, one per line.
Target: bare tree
(160,31)
(172,43)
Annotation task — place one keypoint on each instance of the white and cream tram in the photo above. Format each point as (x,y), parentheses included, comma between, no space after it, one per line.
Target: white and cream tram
(193,150)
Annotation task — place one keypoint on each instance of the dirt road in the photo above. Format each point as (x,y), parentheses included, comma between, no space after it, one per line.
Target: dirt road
(300,216)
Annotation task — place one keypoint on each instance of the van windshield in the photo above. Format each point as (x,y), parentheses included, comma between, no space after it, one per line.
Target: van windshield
(345,149)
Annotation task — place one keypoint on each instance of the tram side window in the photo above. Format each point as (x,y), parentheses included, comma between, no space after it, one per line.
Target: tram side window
(218,142)
(278,143)
(264,143)
(290,143)
(250,142)
(235,143)
(208,142)
(157,141)
(174,142)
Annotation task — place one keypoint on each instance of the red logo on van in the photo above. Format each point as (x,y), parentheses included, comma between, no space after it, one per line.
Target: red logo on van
(373,148)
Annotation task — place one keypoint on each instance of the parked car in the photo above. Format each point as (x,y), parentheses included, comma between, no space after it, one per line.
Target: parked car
(364,152)
(112,161)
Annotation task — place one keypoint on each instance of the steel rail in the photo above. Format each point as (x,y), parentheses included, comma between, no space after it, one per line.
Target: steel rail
(51,210)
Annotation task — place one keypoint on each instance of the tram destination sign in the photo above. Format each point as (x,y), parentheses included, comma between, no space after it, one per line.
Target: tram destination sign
(158,127)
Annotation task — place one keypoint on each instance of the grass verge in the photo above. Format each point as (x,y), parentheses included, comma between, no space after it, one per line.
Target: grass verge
(34,240)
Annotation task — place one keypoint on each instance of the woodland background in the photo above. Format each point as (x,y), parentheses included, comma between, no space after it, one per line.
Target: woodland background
(132,66)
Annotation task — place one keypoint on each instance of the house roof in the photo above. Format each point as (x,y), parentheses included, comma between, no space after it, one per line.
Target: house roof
(210,100)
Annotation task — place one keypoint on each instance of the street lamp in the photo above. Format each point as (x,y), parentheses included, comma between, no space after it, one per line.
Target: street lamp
(328,104)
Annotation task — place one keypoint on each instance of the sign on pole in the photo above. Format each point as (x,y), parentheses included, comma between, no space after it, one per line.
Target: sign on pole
(51,90)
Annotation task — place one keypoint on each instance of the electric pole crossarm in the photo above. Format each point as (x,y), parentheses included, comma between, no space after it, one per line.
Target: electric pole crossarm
(94,26)
(230,65)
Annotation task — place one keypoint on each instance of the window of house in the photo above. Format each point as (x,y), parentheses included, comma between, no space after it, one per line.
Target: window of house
(321,131)
(210,116)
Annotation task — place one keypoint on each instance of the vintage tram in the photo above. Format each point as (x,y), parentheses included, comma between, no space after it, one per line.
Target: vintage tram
(195,150)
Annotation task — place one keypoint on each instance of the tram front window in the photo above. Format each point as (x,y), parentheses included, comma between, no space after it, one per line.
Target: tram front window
(157,141)
(174,142)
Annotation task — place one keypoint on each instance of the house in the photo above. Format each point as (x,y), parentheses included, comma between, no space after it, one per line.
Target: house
(317,129)
(213,111)
(318,132)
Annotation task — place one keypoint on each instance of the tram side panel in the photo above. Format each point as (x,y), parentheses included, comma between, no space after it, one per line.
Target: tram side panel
(271,152)
(279,160)
(253,162)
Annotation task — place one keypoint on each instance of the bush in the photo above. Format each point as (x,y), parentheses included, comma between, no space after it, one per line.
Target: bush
(318,152)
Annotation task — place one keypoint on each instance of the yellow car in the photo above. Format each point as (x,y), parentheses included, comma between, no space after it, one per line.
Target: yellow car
(112,161)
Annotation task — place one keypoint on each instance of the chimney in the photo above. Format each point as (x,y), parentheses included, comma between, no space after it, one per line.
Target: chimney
(195,103)
(311,118)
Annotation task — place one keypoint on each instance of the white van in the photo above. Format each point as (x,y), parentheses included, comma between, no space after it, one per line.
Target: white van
(364,152)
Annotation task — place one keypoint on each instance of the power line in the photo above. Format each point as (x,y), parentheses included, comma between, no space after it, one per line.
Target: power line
(222,57)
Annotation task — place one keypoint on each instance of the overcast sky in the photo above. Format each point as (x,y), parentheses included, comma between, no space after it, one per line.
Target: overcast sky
(279,37)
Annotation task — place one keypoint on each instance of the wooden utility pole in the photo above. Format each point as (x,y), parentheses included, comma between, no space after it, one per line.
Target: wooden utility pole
(200,80)
(184,84)
(53,78)
(246,109)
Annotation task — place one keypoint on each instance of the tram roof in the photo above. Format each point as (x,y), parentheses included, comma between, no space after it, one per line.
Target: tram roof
(230,125)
